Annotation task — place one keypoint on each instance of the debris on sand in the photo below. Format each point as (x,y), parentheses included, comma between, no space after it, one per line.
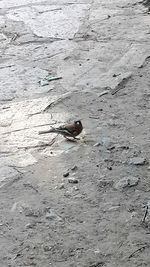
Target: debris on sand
(138,161)
(66,174)
(147,206)
(72,180)
(126,182)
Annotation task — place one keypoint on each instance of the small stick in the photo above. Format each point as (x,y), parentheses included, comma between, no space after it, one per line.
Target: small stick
(93,117)
(145,215)
(137,250)
(103,93)
(52,78)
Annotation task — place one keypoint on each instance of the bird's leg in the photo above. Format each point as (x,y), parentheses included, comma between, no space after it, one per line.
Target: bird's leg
(66,137)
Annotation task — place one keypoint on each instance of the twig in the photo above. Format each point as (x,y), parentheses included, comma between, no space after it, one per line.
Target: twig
(139,249)
(103,93)
(18,253)
(121,85)
(14,37)
(94,117)
(49,79)
(145,214)
(49,10)
(97,264)
(8,66)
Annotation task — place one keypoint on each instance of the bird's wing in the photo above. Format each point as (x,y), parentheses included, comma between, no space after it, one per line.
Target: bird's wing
(65,131)
(70,128)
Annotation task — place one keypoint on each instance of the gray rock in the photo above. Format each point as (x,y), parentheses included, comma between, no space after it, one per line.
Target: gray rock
(138,161)
(72,180)
(74,168)
(66,174)
(76,188)
(126,182)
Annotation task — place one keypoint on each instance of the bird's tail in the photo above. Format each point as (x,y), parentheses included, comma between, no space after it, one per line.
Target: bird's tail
(48,131)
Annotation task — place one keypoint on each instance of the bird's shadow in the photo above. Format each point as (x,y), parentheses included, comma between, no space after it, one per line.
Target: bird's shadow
(72,140)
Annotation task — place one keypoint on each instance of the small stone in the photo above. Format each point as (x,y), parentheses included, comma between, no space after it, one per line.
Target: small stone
(138,161)
(133,181)
(97,144)
(30,225)
(74,168)
(72,180)
(76,188)
(109,168)
(148,168)
(62,186)
(47,248)
(66,174)
(126,182)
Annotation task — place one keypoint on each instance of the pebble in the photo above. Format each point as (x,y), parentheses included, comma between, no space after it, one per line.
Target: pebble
(72,180)
(126,182)
(62,186)
(66,174)
(97,144)
(47,248)
(74,168)
(30,225)
(109,168)
(76,188)
(138,161)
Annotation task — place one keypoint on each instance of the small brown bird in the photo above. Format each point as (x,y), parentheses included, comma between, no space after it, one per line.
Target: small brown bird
(68,130)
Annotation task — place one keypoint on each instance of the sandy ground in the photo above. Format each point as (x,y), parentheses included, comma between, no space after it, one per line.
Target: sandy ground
(74,204)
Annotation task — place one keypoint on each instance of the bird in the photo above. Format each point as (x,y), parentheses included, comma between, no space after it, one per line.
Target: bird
(67,130)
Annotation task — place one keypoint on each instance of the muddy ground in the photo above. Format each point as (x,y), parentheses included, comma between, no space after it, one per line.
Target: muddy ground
(75,204)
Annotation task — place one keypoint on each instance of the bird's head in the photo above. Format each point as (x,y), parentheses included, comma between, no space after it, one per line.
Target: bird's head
(78,122)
